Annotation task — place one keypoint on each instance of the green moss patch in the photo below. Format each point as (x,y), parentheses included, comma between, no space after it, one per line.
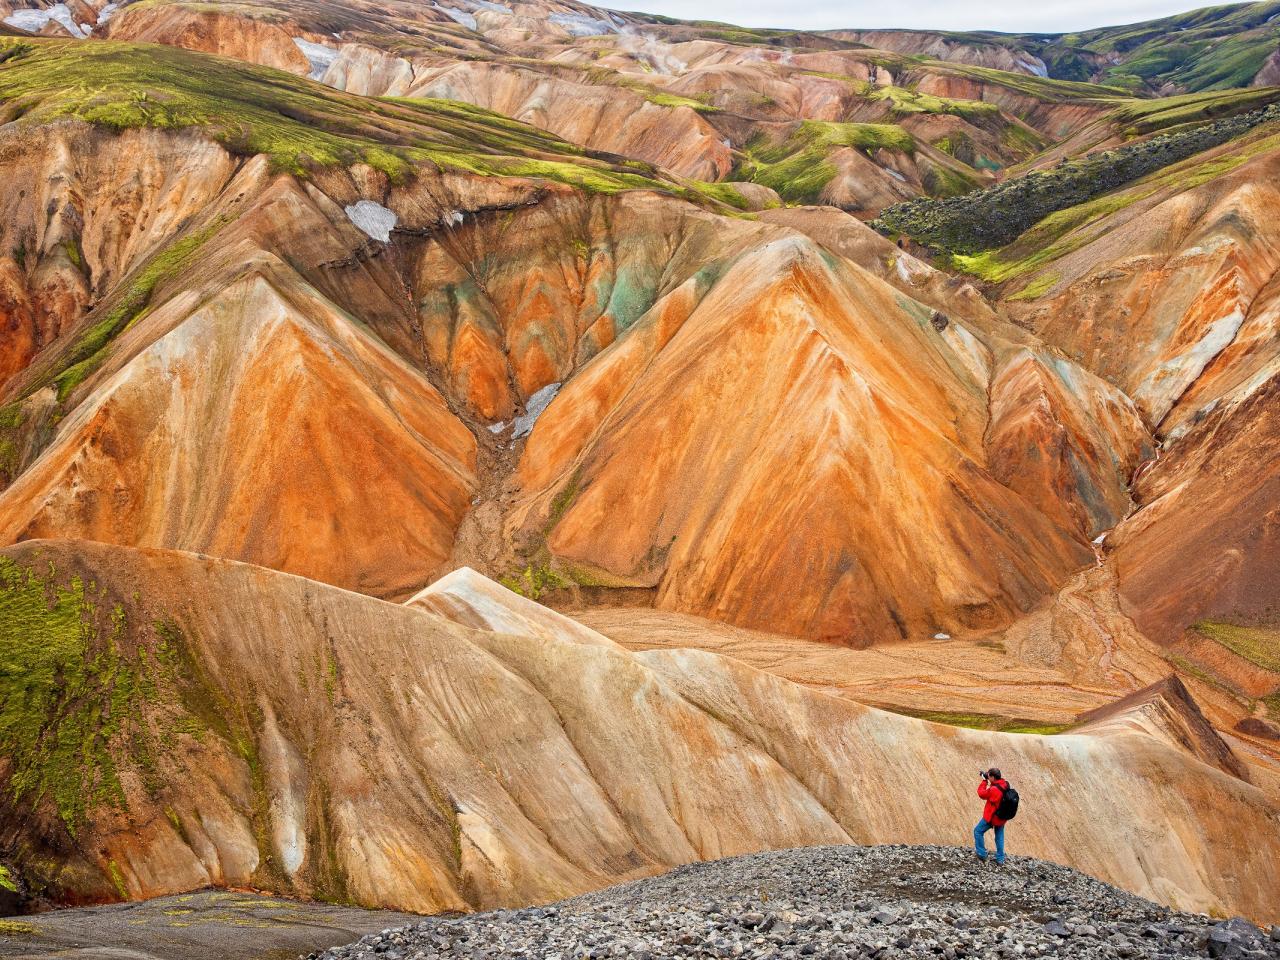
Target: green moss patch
(535,580)
(984,721)
(1037,288)
(66,691)
(904,101)
(798,168)
(1053,237)
(1065,231)
(1272,703)
(1149,116)
(298,124)
(1259,645)
(88,351)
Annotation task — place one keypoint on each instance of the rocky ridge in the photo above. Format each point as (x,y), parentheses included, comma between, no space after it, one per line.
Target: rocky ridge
(835,902)
(999,214)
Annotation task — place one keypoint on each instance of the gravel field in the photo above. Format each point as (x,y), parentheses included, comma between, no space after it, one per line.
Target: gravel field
(834,902)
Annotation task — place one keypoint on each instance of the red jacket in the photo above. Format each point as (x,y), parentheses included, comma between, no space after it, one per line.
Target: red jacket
(993,794)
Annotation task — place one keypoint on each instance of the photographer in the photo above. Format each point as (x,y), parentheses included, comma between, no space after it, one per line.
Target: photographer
(1002,806)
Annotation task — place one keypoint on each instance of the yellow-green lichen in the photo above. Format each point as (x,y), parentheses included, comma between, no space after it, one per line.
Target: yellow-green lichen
(65,692)
(1259,645)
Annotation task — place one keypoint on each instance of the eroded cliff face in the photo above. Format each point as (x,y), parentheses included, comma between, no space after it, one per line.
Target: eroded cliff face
(257,716)
(83,208)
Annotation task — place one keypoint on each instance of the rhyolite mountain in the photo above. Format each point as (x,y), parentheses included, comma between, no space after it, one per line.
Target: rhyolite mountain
(344,341)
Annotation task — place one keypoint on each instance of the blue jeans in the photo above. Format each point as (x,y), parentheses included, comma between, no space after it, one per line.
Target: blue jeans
(980,846)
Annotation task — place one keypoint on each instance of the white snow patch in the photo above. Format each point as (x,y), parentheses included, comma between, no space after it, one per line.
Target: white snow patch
(373,218)
(581,25)
(533,410)
(895,174)
(498,427)
(455,218)
(1100,539)
(105,13)
(942,636)
(33,21)
(318,55)
(468,20)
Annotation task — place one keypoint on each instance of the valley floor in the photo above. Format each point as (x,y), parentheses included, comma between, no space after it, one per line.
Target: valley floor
(211,925)
(956,678)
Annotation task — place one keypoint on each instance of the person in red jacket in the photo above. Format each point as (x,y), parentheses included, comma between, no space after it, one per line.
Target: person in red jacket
(991,789)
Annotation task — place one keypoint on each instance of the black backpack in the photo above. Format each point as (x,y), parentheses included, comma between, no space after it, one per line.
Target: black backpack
(1008,808)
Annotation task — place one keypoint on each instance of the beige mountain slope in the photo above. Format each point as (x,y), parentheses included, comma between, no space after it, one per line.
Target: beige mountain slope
(1042,675)
(257,716)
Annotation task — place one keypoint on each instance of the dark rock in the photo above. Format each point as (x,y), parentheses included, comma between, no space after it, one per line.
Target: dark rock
(889,903)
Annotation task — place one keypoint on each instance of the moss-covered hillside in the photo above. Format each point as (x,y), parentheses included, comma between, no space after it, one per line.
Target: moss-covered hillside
(1214,48)
(991,218)
(299,124)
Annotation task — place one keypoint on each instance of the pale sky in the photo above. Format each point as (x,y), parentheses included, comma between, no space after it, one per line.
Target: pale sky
(1013,16)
